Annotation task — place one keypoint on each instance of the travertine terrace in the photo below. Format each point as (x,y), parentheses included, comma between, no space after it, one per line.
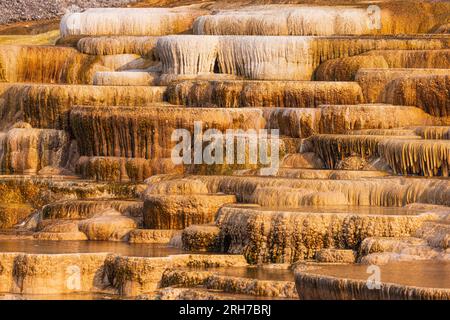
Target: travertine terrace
(359,94)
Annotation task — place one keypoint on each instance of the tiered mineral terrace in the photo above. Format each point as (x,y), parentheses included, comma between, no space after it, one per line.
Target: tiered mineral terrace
(93,206)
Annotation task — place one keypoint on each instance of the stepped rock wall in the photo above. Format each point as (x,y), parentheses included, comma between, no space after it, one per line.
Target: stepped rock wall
(123,169)
(129,21)
(345,69)
(47,64)
(271,57)
(265,236)
(404,154)
(373,82)
(416,58)
(308,20)
(434,132)
(84,209)
(237,94)
(38,191)
(145,132)
(362,192)
(180,211)
(48,106)
(141,45)
(429,93)
(26,150)
(240,285)
(428,158)
(316,286)
(99,272)
(124,78)
(12,214)
(336,119)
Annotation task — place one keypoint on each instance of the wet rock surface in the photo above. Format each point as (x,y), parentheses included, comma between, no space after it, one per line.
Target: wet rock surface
(92,186)
(338,283)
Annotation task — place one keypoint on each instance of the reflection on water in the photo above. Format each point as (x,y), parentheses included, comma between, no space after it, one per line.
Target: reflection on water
(433,274)
(55,247)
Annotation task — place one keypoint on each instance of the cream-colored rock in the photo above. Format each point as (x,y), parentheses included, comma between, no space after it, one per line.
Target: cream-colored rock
(110,226)
(180,211)
(271,57)
(26,151)
(44,274)
(334,148)
(392,192)
(404,154)
(124,78)
(426,92)
(352,163)
(436,58)
(133,276)
(284,197)
(437,234)
(336,256)
(178,187)
(60,236)
(237,285)
(265,288)
(373,82)
(340,119)
(284,19)
(434,132)
(88,208)
(428,158)
(380,244)
(152,236)
(345,69)
(123,169)
(200,238)
(381,251)
(351,152)
(303,173)
(40,191)
(265,235)
(280,94)
(188,294)
(52,274)
(7,262)
(109,45)
(307,160)
(57,226)
(129,21)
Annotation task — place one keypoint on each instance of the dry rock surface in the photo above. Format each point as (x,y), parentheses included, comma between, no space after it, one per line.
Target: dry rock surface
(25,10)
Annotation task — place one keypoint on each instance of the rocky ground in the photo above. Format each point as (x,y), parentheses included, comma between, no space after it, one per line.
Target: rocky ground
(30,10)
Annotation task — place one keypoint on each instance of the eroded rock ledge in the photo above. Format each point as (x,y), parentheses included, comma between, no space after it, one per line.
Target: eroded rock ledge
(24,273)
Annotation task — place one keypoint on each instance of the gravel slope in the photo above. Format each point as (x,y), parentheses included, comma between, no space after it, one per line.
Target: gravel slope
(27,10)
